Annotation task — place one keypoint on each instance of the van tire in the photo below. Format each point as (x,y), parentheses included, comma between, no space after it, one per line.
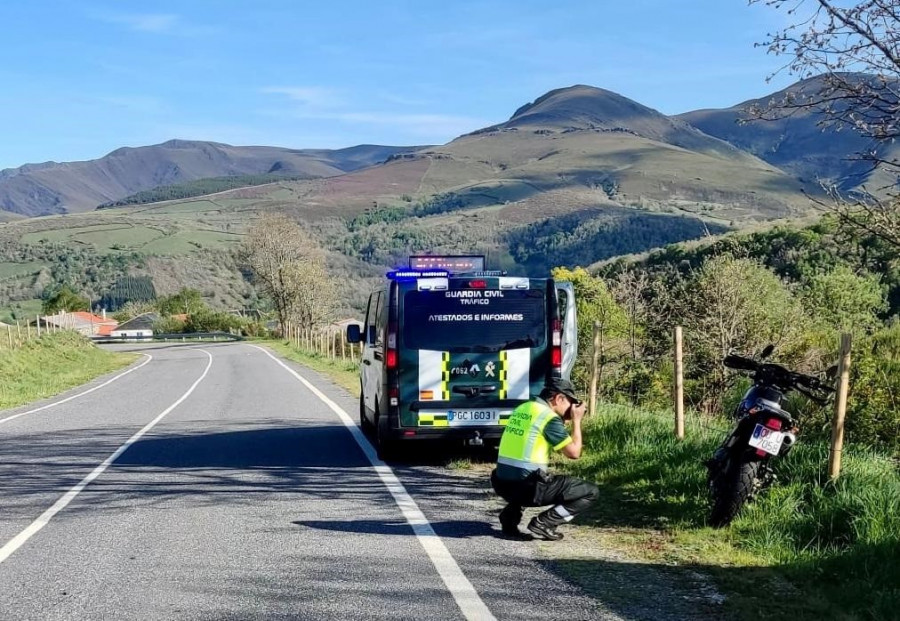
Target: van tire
(387,447)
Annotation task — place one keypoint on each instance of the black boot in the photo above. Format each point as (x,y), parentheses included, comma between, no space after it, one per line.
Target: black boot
(510,517)
(544,528)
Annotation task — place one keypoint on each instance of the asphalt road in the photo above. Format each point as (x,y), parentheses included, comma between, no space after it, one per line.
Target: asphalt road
(219,482)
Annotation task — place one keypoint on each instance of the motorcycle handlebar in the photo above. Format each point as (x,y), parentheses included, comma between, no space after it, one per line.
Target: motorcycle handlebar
(813,383)
(733,361)
(741,363)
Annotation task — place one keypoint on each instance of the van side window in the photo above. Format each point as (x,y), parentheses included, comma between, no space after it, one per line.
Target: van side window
(563,299)
(370,318)
(380,319)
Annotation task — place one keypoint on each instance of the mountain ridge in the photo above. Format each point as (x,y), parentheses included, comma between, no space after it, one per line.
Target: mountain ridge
(70,187)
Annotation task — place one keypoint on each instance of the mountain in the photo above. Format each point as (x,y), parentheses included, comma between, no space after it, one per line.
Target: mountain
(71,187)
(577,176)
(574,148)
(797,144)
(583,107)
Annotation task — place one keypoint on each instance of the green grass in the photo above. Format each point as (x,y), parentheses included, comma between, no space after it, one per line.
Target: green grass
(835,545)
(50,365)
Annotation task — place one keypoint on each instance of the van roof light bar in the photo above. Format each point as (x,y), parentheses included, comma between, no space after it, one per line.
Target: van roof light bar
(414,274)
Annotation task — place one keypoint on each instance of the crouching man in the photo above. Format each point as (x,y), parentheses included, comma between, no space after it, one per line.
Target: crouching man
(521,477)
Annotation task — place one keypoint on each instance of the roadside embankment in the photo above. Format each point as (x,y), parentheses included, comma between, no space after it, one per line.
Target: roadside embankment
(41,368)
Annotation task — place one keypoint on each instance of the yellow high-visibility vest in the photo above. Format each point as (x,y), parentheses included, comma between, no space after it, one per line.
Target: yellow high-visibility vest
(523,444)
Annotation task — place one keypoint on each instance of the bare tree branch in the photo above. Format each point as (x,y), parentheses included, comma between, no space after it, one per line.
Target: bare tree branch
(853,55)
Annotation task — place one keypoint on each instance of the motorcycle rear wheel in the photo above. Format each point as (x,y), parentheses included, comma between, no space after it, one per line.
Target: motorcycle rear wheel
(731,491)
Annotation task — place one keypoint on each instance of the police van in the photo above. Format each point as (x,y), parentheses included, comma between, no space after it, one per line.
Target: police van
(449,350)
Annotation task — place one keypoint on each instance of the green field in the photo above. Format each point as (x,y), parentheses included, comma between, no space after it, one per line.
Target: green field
(187,242)
(14,270)
(23,309)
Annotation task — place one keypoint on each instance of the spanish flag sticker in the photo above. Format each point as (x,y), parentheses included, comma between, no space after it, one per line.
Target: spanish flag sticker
(426,394)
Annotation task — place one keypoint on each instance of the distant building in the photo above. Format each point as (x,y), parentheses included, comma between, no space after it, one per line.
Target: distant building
(141,327)
(82,322)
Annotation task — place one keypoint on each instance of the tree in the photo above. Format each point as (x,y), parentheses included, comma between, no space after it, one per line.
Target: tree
(854,52)
(185,302)
(735,305)
(290,269)
(845,300)
(64,300)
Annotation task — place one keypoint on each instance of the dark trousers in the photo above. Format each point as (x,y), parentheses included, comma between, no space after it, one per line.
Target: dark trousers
(568,495)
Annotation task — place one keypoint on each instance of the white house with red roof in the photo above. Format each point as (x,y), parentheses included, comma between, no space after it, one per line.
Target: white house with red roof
(83,322)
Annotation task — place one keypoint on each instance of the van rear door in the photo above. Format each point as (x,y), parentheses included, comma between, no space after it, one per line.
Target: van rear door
(472,346)
(565,292)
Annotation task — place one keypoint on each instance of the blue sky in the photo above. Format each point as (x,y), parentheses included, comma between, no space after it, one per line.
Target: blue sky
(81,78)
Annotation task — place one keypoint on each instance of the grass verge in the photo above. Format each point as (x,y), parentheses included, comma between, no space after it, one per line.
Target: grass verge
(805,549)
(50,365)
(345,373)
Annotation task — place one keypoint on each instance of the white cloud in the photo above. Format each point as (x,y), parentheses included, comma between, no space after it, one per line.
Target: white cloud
(311,96)
(416,124)
(135,103)
(325,104)
(156,23)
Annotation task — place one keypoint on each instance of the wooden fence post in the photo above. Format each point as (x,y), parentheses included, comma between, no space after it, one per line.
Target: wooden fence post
(679,384)
(9,335)
(18,332)
(840,408)
(38,326)
(595,368)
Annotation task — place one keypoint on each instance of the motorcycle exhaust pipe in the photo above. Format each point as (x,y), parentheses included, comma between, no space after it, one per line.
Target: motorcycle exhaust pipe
(788,442)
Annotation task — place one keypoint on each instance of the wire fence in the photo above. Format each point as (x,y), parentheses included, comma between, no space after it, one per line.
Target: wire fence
(328,341)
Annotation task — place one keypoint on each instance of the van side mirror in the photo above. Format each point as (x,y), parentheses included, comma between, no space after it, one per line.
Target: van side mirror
(353,333)
(767,351)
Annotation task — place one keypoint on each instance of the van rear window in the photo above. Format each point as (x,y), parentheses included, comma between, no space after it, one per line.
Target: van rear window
(480,320)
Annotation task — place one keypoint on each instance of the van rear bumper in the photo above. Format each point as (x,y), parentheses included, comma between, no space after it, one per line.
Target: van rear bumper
(487,432)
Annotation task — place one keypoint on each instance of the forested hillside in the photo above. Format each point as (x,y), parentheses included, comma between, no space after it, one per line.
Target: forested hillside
(797,288)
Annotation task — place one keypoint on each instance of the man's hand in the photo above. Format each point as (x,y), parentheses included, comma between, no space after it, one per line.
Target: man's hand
(573,449)
(578,411)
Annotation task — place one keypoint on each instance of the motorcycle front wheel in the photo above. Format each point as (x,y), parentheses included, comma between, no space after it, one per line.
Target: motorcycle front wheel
(731,489)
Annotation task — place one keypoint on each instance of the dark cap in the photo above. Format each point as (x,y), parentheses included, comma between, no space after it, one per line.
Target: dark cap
(558,385)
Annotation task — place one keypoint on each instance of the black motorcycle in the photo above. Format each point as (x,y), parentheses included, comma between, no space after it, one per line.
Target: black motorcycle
(740,467)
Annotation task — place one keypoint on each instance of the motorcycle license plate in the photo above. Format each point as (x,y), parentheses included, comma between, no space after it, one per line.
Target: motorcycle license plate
(766,439)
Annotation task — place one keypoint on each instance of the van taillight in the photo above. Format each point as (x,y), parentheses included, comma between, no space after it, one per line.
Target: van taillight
(391,354)
(556,345)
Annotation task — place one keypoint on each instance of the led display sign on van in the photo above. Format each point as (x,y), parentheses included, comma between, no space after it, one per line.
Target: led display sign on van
(458,264)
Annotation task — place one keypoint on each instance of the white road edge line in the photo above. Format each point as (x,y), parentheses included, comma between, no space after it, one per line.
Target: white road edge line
(19,540)
(81,394)
(467,598)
